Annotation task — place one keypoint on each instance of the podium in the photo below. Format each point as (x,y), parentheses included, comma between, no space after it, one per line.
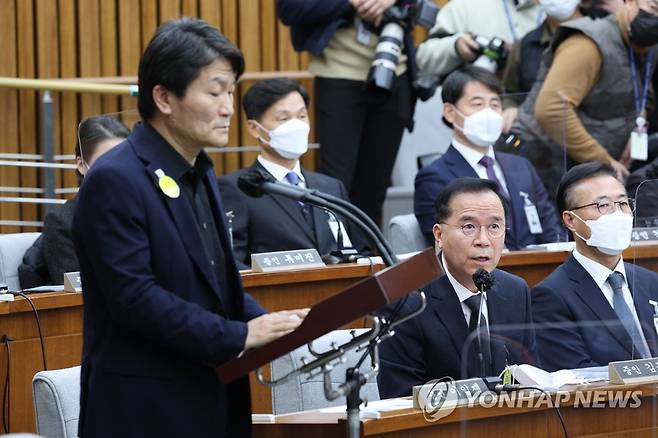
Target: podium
(384,288)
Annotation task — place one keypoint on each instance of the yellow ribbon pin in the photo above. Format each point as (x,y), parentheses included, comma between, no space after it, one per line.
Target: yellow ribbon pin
(167,184)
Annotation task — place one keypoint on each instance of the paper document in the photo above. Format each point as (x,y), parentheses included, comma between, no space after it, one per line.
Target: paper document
(528,375)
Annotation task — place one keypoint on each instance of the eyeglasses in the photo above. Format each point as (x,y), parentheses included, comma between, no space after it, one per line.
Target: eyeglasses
(494,230)
(608,207)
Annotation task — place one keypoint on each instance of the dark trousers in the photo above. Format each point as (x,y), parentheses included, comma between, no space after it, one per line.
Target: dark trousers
(359,134)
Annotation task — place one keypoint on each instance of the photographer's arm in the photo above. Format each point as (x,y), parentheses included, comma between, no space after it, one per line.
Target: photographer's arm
(439,55)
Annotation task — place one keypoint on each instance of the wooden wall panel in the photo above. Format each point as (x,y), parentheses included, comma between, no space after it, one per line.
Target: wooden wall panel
(68,50)
(9,137)
(105,38)
(109,51)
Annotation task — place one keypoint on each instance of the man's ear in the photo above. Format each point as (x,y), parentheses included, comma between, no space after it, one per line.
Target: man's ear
(161,98)
(437,231)
(568,219)
(254,130)
(449,113)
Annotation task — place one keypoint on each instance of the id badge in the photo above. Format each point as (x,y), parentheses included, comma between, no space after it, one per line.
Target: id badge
(533,219)
(333,226)
(639,145)
(362,34)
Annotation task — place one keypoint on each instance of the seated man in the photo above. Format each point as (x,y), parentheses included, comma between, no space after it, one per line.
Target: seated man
(440,342)
(277,116)
(596,306)
(472,105)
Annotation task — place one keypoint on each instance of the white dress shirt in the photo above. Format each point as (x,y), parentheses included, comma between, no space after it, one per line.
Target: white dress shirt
(473,158)
(600,274)
(279,172)
(463,294)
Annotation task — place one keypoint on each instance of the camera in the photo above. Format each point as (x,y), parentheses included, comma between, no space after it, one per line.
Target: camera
(492,53)
(397,19)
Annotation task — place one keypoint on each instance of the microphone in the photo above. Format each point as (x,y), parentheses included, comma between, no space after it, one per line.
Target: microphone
(483,280)
(256,182)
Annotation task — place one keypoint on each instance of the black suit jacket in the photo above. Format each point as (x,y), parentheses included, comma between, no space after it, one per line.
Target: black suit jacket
(520,176)
(433,345)
(577,327)
(154,323)
(276,223)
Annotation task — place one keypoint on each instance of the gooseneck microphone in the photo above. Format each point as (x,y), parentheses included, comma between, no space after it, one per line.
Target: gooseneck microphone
(483,280)
(256,182)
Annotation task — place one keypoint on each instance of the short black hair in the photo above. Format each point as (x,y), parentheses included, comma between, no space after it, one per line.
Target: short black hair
(460,186)
(453,86)
(93,130)
(575,175)
(263,94)
(175,56)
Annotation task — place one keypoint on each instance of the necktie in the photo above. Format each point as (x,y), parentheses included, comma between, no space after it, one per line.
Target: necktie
(293,179)
(616,280)
(473,303)
(488,164)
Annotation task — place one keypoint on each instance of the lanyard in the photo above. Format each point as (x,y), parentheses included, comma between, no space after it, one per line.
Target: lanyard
(509,19)
(640,101)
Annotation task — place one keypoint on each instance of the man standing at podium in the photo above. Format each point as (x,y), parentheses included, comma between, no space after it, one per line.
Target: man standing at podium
(443,341)
(595,308)
(164,303)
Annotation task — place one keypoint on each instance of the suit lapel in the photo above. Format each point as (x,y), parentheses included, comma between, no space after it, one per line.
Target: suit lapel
(457,164)
(591,296)
(321,230)
(644,310)
(496,303)
(290,208)
(183,216)
(516,202)
(446,306)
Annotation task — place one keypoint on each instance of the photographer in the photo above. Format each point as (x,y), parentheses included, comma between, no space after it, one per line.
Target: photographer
(359,128)
(452,40)
(591,109)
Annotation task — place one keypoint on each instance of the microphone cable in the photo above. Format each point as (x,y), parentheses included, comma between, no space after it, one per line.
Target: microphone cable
(5,393)
(38,321)
(493,383)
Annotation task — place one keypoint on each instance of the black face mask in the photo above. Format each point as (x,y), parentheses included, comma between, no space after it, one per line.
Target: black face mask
(644,29)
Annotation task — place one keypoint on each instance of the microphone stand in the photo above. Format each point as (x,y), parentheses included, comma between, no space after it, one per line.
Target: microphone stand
(358,212)
(480,355)
(389,258)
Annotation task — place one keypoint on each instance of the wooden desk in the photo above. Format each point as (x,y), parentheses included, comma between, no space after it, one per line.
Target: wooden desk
(530,419)
(61,322)
(534,266)
(61,318)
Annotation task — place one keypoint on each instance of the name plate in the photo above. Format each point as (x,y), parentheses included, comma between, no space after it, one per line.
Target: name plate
(286,260)
(72,282)
(645,234)
(447,393)
(633,371)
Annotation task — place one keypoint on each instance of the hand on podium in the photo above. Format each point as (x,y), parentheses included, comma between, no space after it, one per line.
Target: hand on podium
(271,326)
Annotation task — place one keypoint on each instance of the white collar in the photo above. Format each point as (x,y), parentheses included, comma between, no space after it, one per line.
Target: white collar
(278,171)
(471,155)
(597,271)
(462,292)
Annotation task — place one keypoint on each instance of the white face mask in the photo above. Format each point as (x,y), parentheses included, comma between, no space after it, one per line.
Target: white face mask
(611,233)
(561,10)
(482,128)
(289,139)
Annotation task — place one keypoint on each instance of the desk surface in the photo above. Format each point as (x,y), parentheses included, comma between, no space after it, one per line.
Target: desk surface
(533,416)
